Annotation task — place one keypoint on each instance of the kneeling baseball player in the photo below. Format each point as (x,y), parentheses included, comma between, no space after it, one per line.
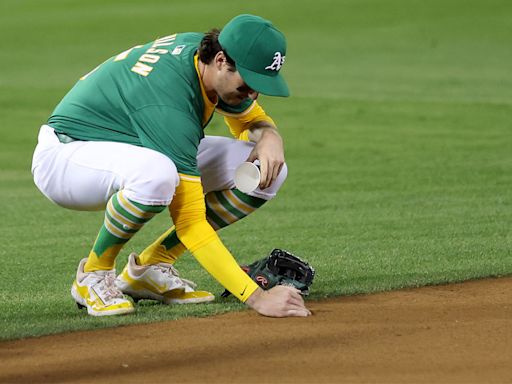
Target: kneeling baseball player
(128,138)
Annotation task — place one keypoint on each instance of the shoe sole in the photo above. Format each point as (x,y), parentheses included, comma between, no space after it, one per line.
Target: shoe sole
(195,297)
(197,300)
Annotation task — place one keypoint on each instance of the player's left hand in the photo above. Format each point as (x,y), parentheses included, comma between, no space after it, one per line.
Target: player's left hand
(279,301)
(269,150)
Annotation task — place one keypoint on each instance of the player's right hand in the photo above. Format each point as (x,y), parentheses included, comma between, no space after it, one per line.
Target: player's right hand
(269,150)
(279,301)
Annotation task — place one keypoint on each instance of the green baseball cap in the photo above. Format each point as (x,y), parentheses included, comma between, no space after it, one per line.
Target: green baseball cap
(258,49)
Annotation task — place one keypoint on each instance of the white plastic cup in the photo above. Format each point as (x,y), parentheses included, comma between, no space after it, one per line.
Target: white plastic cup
(247,177)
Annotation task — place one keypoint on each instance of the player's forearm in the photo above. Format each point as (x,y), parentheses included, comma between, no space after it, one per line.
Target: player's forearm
(261,128)
(269,151)
(188,213)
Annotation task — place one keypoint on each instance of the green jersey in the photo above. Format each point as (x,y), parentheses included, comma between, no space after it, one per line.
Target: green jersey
(148,96)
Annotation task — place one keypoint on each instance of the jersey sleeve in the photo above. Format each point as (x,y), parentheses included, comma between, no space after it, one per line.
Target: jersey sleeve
(240,118)
(172,132)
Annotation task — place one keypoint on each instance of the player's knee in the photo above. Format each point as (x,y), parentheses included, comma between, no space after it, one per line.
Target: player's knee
(283,174)
(164,182)
(155,182)
(270,192)
(280,179)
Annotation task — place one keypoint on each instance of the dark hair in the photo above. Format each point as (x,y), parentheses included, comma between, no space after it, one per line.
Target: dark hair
(210,46)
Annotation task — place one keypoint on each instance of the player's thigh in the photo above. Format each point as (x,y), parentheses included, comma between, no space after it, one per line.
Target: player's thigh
(217,160)
(83,175)
(218,157)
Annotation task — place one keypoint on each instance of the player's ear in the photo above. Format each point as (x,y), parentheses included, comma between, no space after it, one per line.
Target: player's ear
(219,60)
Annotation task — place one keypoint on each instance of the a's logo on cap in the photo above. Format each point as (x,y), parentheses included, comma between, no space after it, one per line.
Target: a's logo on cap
(277,63)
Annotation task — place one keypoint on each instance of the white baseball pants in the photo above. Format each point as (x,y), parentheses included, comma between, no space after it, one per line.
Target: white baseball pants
(83,175)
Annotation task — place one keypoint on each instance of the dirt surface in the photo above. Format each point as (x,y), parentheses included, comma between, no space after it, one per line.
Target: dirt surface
(449,334)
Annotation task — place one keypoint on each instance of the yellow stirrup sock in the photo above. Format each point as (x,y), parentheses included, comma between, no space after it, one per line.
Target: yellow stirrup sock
(166,249)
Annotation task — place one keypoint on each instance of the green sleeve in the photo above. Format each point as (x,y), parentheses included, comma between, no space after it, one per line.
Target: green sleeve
(172,132)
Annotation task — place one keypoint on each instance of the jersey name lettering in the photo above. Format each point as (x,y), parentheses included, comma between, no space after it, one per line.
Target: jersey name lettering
(141,68)
(151,56)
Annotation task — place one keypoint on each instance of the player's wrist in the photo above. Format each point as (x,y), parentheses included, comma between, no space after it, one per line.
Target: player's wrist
(261,129)
(254,299)
(270,131)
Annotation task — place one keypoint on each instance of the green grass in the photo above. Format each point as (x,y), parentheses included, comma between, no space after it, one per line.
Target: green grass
(398,143)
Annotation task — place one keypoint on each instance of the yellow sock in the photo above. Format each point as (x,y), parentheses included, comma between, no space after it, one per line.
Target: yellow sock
(166,249)
(105,262)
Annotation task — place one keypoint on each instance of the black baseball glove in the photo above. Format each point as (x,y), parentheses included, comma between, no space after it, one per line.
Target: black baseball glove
(280,268)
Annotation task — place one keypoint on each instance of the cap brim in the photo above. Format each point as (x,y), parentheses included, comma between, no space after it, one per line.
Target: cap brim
(267,85)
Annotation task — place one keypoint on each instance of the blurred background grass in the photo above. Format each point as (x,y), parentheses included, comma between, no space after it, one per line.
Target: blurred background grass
(398,142)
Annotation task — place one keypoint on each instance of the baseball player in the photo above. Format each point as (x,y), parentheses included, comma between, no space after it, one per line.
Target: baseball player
(128,138)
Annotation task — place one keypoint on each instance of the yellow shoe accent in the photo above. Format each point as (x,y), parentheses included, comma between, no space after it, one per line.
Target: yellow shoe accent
(142,284)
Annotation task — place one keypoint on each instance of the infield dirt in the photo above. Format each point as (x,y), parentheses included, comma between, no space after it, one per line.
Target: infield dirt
(459,333)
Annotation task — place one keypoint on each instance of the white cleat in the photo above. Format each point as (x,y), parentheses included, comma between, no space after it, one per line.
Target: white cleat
(97,292)
(158,282)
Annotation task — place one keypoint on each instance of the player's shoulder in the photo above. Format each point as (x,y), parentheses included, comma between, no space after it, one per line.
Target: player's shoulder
(193,38)
(172,58)
(180,45)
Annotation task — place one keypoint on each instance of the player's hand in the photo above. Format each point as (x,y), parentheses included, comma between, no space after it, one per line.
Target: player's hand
(269,150)
(279,301)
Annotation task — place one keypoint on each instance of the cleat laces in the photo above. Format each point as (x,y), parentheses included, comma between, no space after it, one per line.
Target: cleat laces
(169,270)
(107,288)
